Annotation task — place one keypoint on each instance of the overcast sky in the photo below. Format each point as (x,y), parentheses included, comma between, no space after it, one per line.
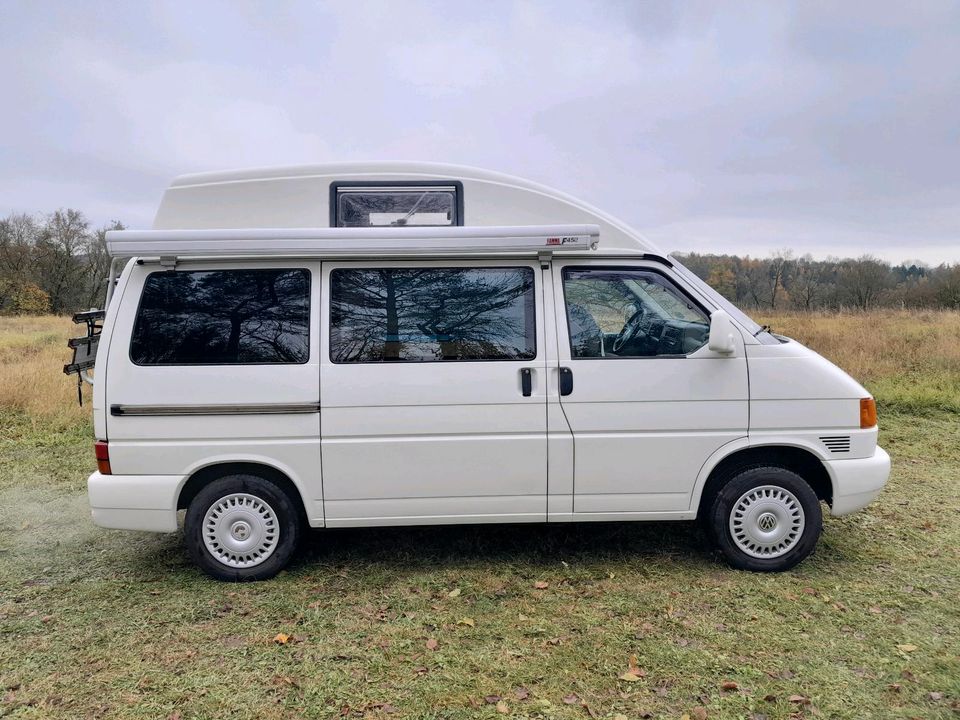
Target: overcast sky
(829,128)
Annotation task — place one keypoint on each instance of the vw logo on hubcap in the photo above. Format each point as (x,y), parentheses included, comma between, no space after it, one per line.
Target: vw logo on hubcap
(767,522)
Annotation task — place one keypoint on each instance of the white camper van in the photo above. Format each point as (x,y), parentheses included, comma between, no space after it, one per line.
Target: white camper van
(413,344)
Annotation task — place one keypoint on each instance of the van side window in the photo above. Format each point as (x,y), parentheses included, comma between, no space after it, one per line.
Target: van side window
(432,314)
(626,312)
(223,317)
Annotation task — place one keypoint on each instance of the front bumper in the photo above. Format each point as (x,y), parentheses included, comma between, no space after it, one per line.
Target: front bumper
(134,502)
(856,483)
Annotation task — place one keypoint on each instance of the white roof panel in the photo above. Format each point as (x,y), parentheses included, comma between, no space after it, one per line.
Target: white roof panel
(299,197)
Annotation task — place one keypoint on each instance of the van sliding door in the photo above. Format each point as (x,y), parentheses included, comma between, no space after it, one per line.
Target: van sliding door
(433,392)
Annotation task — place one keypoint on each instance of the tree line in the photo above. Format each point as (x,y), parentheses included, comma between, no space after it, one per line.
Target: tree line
(782,281)
(57,263)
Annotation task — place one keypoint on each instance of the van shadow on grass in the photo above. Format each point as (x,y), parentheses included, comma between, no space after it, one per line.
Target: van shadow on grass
(491,548)
(678,546)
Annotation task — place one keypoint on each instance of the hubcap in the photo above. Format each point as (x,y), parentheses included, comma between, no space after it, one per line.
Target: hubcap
(240,530)
(766,521)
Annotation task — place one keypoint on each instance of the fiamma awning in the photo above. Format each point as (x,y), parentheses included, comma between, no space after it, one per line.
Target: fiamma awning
(353,242)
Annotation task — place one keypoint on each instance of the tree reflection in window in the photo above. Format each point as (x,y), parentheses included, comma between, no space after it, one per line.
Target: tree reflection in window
(430,314)
(223,317)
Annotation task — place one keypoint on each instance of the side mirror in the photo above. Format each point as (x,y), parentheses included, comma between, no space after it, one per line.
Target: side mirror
(721,333)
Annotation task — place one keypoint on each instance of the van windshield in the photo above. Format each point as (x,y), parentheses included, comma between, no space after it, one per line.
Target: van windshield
(749,324)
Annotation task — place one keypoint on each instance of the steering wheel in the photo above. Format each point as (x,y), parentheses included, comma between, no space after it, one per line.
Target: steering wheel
(630,330)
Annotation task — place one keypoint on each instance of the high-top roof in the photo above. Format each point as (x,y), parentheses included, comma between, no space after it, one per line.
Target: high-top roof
(299,197)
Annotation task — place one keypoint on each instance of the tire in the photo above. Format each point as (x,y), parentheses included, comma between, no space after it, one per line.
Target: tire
(242,528)
(765,519)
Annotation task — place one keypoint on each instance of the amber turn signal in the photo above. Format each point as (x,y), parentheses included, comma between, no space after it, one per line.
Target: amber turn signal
(868,413)
(102,451)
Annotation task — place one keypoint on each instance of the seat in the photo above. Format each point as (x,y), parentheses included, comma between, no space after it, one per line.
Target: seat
(586,337)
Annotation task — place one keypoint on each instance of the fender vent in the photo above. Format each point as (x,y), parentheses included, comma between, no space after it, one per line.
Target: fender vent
(836,443)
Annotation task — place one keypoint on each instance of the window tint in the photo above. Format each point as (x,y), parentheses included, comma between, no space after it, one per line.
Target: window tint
(430,314)
(622,312)
(396,206)
(223,317)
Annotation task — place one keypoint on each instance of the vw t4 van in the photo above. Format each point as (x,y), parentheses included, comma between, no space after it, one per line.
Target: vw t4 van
(414,344)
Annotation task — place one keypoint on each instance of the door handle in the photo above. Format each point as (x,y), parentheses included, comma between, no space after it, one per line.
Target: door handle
(566,381)
(526,382)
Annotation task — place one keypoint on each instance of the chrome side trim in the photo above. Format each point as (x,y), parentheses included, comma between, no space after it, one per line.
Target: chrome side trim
(256,409)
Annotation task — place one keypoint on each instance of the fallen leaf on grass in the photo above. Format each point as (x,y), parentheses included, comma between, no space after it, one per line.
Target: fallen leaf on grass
(634,671)
(907,647)
(467,621)
(571,699)
(503,708)
(935,696)
(770,698)
(492,699)
(699,713)
(521,693)
(454,593)
(799,699)
(281,638)
(432,644)
(541,585)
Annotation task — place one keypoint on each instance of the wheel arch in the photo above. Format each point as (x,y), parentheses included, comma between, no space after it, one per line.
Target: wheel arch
(724,465)
(202,476)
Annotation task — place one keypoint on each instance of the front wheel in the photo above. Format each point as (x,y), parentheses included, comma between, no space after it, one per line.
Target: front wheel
(765,519)
(241,527)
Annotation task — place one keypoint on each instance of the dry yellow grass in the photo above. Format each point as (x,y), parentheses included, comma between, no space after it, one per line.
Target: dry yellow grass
(33,351)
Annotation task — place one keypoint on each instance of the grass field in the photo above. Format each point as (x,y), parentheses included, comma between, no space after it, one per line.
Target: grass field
(462,622)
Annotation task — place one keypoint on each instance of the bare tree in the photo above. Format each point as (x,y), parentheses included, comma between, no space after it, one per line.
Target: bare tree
(97,265)
(778,263)
(861,282)
(810,282)
(64,238)
(948,286)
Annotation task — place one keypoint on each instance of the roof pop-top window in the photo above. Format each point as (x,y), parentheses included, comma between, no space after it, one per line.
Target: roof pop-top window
(396,204)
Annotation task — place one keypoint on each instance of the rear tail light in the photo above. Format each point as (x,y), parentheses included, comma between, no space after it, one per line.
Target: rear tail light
(868,413)
(102,451)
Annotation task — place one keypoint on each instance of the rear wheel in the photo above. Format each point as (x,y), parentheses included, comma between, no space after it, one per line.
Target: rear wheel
(242,527)
(765,519)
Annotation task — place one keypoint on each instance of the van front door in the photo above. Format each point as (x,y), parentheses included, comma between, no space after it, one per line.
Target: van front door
(646,400)
(433,393)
